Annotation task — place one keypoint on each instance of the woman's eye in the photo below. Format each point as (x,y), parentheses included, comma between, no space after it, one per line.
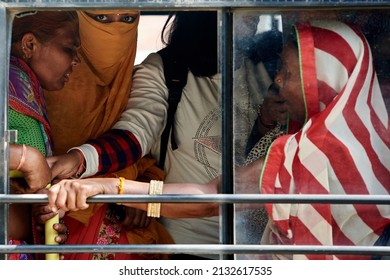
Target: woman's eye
(101,18)
(128,19)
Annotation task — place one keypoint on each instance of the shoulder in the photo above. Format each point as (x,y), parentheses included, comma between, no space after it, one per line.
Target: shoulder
(17,71)
(20,82)
(152,66)
(152,60)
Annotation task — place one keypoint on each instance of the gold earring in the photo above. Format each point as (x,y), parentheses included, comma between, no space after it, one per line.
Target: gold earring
(279,80)
(24,56)
(23,53)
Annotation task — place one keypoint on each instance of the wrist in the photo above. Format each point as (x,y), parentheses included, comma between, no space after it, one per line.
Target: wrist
(22,157)
(120,186)
(81,163)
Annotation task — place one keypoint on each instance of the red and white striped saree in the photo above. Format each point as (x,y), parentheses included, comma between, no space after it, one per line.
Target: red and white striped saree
(343,148)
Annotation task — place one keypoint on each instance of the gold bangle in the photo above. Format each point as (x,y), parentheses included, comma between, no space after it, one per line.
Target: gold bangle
(155,188)
(120,186)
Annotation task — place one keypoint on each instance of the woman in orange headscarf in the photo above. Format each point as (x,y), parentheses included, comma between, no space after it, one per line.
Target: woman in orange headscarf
(88,106)
(93,101)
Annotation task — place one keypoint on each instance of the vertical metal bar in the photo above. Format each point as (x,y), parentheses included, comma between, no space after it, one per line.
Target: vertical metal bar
(226,62)
(3,122)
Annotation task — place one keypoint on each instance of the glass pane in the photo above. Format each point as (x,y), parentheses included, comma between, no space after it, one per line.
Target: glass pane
(263,112)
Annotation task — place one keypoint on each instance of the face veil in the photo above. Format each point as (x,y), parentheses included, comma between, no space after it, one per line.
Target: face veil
(107,46)
(99,87)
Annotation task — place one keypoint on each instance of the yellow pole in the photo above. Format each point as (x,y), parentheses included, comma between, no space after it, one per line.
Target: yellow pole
(51,233)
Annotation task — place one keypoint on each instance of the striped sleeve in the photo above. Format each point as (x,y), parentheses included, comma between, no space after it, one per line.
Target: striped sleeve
(116,150)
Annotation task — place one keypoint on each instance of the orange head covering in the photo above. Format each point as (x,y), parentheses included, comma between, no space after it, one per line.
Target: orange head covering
(99,87)
(93,101)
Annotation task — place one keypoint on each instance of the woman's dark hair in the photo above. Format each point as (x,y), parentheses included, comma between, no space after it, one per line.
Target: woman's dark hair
(43,24)
(266,47)
(193,37)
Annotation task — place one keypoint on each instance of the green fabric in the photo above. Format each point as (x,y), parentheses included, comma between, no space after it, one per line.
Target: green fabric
(29,130)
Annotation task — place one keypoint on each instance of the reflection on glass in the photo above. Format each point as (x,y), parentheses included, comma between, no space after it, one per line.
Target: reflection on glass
(257,44)
(259,112)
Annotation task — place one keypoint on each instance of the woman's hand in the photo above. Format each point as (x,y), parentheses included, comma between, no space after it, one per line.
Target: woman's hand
(42,213)
(34,169)
(65,166)
(71,195)
(63,232)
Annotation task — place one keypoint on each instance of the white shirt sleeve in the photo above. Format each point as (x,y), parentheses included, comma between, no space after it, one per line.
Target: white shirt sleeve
(146,111)
(91,160)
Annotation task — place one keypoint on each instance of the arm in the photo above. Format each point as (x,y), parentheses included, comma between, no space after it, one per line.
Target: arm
(35,171)
(32,165)
(247,177)
(139,127)
(72,194)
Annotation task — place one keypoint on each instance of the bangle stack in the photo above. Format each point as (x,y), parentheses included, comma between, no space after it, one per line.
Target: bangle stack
(120,186)
(155,188)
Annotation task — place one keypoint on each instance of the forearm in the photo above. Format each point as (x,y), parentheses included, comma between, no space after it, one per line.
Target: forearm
(176,210)
(247,177)
(16,153)
(73,194)
(31,165)
(113,151)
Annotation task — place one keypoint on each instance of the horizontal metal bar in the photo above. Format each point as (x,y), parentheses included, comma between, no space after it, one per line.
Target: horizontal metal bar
(217,198)
(199,249)
(194,4)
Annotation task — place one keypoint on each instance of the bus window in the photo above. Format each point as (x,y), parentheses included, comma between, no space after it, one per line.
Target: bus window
(258,37)
(260,114)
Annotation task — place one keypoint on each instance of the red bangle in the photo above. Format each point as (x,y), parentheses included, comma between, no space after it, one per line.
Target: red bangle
(23,158)
(269,126)
(81,168)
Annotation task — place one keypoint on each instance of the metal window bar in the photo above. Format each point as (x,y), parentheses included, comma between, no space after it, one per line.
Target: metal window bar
(9,6)
(223,249)
(226,58)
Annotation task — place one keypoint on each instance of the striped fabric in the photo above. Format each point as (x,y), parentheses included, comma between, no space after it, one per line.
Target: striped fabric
(117,150)
(343,148)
